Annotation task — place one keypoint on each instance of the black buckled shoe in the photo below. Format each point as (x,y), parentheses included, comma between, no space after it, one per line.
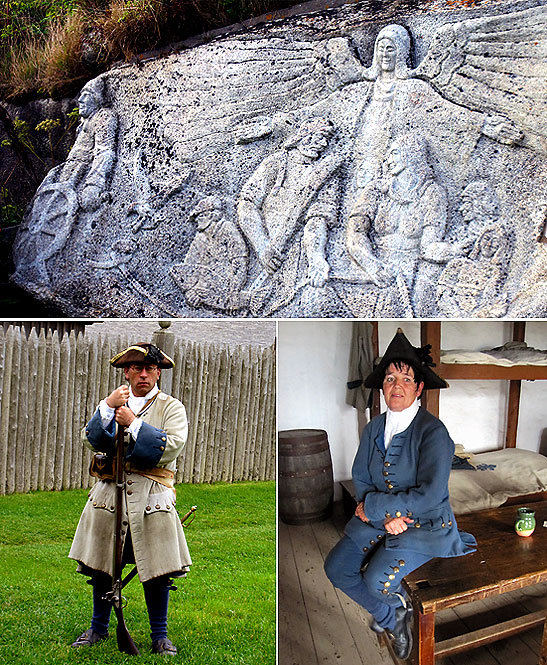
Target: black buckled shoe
(88,638)
(401,635)
(164,646)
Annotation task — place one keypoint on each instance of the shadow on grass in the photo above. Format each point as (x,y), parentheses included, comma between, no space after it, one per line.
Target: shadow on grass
(222,613)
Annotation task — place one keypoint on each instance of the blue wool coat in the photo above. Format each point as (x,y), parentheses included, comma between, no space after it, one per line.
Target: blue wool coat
(409,479)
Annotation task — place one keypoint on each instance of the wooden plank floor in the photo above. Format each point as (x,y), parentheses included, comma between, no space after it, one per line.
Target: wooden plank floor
(318,624)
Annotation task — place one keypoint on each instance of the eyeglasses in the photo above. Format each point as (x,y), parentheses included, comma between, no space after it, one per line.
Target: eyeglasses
(148,368)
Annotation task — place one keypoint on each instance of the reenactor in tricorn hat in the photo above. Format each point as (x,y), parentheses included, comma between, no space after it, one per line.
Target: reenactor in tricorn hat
(403,516)
(153,538)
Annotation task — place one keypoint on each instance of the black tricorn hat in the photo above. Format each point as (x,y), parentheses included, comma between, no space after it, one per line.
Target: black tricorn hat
(401,349)
(144,353)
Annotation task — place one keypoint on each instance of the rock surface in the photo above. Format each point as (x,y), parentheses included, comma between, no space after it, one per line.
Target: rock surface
(378,160)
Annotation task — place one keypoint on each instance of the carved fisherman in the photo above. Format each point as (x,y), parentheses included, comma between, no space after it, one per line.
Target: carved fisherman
(285,210)
(156,431)
(403,517)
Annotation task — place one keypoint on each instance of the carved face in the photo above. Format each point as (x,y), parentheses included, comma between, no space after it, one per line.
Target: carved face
(399,387)
(313,144)
(470,209)
(207,217)
(87,104)
(386,52)
(395,160)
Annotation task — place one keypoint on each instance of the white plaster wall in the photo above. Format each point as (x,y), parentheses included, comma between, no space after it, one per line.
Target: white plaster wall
(312,373)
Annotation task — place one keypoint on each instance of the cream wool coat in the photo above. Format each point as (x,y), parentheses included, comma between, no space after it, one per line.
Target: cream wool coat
(159,542)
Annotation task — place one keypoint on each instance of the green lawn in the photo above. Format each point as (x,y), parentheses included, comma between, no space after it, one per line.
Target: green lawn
(223,612)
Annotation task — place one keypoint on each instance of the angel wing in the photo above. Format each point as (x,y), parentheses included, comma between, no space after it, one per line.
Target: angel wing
(496,65)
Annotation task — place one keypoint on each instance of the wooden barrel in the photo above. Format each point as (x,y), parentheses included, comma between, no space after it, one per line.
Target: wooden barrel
(305,476)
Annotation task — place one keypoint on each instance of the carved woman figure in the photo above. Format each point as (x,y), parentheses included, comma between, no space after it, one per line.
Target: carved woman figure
(393,222)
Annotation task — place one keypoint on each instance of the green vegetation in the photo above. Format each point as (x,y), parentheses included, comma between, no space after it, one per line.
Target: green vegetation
(223,612)
(51,47)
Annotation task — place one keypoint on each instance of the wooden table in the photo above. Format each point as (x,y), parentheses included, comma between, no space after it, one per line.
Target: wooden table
(502,562)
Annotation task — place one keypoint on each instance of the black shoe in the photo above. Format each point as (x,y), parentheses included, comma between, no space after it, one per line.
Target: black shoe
(164,647)
(88,638)
(401,635)
(375,626)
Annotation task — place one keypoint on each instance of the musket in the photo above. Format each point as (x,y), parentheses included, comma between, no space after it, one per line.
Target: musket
(125,641)
(183,519)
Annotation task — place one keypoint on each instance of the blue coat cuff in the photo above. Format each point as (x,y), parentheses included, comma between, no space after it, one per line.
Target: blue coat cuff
(149,447)
(101,439)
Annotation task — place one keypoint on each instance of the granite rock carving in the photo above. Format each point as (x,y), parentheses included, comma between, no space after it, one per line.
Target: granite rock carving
(345,169)
(72,191)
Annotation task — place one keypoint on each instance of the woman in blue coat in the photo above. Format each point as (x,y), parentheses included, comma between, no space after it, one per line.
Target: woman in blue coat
(403,517)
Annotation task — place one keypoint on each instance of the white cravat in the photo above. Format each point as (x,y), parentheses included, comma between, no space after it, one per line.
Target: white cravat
(398,421)
(136,405)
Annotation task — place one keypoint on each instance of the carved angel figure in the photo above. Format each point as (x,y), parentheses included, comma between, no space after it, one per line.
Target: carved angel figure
(79,184)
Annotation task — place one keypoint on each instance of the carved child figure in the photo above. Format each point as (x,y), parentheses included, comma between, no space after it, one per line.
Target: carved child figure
(214,269)
(484,250)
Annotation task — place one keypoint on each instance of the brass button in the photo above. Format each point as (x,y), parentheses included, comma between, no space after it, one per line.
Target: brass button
(94,503)
(391,577)
(443,525)
(398,513)
(408,513)
(449,522)
(162,447)
(168,507)
(387,464)
(417,525)
(104,505)
(125,523)
(164,438)
(112,507)
(130,492)
(385,591)
(386,473)
(395,569)
(401,562)
(365,549)
(129,482)
(390,486)
(388,515)
(380,536)
(148,507)
(158,506)
(387,584)
(373,542)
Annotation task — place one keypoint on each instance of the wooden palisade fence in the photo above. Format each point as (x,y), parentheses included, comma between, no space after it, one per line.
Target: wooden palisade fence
(49,387)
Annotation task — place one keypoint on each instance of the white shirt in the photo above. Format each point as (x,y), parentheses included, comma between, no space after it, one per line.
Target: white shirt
(398,421)
(136,405)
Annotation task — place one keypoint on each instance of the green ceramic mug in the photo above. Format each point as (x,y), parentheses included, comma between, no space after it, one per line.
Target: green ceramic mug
(525,522)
